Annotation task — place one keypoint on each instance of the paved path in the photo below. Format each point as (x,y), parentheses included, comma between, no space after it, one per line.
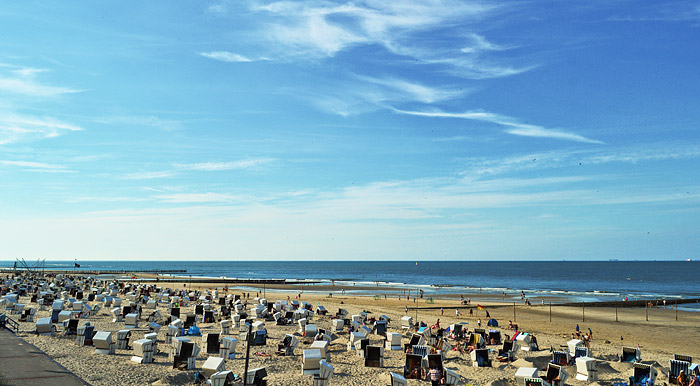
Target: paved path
(23,364)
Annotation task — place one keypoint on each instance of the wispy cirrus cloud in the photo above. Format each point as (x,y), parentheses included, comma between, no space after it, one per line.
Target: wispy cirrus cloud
(23,81)
(226,56)
(148,175)
(662,12)
(654,152)
(36,166)
(191,198)
(16,128)
(512,125)
(303,31)
(248,164)
(361,94)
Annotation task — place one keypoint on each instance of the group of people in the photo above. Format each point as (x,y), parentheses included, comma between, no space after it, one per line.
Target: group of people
(684,380)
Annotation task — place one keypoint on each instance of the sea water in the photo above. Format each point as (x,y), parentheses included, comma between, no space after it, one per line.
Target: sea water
(574,281)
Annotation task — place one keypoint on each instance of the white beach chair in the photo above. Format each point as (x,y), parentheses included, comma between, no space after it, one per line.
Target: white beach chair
(103,343)
(310,362)
(524,373)
(586,369)
(143,351)
(213,365)
(324,375)
(324,346)
(393,341)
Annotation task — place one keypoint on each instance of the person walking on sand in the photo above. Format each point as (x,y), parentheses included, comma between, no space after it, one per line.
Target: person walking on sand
(478,322)
(406,310)
(442,311)
(457,312)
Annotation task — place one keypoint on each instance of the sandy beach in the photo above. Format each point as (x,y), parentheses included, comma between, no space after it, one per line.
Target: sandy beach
(666,332)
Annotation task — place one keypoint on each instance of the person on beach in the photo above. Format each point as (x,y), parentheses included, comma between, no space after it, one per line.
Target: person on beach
(682,379)
(406,310)
(442,311)
(457,312)
(471,312)
(435,376)
(478,322)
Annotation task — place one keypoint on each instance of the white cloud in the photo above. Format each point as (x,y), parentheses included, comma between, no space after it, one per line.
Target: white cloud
(148,175)
(360,94)
(189,198)
(513,126)
(35,166)
(225,56)
(221,166)
(17,128)
(25,84)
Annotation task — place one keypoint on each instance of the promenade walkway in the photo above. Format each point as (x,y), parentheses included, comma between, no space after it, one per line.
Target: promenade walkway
(23,364)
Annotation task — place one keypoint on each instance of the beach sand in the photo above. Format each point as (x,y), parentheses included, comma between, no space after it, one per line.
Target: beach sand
(659,338)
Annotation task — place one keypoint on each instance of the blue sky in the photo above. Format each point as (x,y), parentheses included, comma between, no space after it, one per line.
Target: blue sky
(409,130)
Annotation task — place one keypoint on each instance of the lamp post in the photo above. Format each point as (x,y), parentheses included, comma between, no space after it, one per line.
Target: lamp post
(247,356)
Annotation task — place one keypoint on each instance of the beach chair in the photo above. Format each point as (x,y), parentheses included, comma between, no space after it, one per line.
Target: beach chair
(310,362)
(260,338)
(643,375)
(494,337)
(393,341)
(222,378)
(287,346)
(44,326)
(420,350)
(143,351)
(324,346)
(555,376)
(70,327)
(524,373)
(507,351)
(123,337)
(131,320)
(64,315)
(227,349)
(360,346)
(451,377)
(413,367)
(185,359)
(561,358)
(310,331)
(225,326)
(630,355)
(417,340)
(117,314)
(190,320)
(103,343)
(84,335)
(374,356)
(208,317)
(172,332)
(28,315)
(586,369)
(397,379)
(256,377)
(406,322)
(573,344)
(354,337)
(213,343)
(324,375)
(524,340)
(582,352)
(321,310)
(443,347)
(480,357)
(692,367)
(213,365)
(380,328)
